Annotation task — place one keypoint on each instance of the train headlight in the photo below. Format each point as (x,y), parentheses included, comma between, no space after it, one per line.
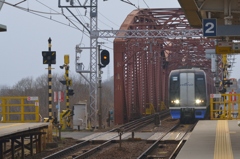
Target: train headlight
(198,101)
(176,101)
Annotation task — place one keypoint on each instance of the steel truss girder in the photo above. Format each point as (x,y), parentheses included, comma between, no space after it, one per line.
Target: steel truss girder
(145,51)
(164,33)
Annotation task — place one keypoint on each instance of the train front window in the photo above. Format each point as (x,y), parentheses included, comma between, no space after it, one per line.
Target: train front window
(174,91)
(200,89)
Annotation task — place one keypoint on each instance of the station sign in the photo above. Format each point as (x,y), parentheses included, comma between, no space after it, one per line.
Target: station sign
(227,48)
(223,50)
(58,96)
(32,98)
(215,95)
(209,27)
(37,104)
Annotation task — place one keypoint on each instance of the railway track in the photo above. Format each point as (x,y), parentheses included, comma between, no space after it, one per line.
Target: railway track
(86,148)
(181,143)
(168,149)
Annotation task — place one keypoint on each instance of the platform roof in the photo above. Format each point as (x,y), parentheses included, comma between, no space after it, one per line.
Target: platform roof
(191,11)
(196,10)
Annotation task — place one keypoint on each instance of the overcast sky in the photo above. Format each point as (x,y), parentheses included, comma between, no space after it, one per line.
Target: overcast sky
(27,35)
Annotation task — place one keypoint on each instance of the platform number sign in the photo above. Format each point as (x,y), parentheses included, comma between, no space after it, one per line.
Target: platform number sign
(209,27)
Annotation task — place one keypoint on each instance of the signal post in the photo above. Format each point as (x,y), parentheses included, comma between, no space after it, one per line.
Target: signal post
(49,57)
(103,61)
(69,92)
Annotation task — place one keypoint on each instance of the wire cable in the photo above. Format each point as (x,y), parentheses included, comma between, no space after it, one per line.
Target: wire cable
(108,19)
(146,3)
(35,13)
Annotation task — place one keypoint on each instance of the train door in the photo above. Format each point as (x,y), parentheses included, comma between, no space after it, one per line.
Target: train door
(187,93)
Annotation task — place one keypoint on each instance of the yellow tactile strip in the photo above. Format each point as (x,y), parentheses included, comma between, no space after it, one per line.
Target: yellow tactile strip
(10,125)
(223,146)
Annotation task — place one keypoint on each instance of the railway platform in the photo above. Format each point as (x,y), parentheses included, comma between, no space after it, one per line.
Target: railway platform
(213,139)
(13,137)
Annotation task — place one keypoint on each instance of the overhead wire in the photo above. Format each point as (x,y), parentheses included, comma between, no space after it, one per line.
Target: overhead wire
(35,12)
(63,15)
(82,19)
(108,19)
(57,13)
(145,3)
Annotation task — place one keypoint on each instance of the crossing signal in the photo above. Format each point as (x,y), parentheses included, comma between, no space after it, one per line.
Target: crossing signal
(105,58)
(69,82)
(49,57)
(223,91)
(227,82)
(70,92)
(63,82)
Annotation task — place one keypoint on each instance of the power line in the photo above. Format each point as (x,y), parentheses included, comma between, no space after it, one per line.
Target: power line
(57,13)
(128,2)
(145,3)
(47,7)
(65,16)
(108,19)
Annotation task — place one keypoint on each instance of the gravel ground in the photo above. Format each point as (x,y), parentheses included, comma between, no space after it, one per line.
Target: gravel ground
(127,150)
(64,143)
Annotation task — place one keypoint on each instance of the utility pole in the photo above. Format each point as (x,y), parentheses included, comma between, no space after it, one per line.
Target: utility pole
(92,107)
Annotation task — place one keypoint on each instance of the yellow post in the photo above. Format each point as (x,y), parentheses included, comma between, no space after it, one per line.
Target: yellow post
(22,110)
(211,108)
(238,103)
(37,111)
(4,110)
(224,107)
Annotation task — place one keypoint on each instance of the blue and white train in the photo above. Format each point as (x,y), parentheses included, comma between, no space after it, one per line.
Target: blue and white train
(188,99)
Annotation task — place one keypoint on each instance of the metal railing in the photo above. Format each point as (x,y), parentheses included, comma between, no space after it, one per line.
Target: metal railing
(225,106)
(19,109)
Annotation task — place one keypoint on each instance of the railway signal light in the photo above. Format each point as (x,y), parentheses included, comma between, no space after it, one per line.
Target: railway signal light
(49,57)
(104,58)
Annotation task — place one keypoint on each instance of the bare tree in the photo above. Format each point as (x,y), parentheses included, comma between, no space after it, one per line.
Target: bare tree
(39,87)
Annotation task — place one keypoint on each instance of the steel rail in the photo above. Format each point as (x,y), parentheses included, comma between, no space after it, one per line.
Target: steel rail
(181,143)
(126,127)
(155,144)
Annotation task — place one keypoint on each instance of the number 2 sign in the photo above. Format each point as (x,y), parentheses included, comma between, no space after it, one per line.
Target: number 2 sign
(209,27)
